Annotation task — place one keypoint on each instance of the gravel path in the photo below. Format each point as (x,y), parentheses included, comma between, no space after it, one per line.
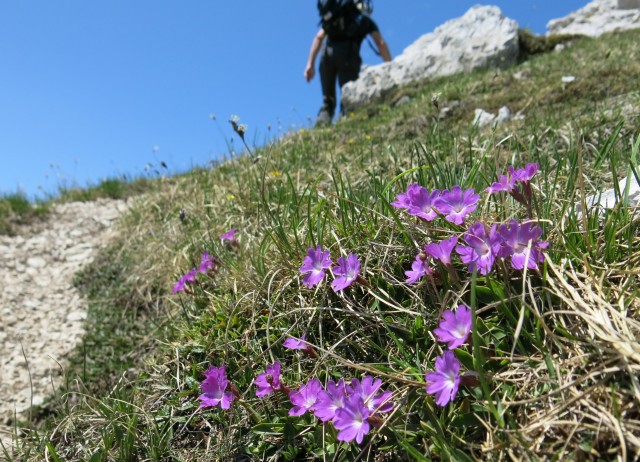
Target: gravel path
(41,314)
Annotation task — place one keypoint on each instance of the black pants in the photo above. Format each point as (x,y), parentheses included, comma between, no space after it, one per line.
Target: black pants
(340,61)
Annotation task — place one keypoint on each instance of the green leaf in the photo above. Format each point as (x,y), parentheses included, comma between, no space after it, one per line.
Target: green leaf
(269,428)
(52,452)
(465,358)
(465,421)
(413,452)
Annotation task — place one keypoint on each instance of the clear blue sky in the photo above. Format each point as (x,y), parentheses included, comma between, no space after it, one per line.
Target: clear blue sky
(95,89)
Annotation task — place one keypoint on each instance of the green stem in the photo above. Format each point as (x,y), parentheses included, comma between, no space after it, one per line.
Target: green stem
(478,354)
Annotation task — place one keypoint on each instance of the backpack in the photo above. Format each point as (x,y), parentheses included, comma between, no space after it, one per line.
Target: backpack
(339,18)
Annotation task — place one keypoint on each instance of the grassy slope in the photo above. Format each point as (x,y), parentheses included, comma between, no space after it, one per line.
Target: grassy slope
(557,349)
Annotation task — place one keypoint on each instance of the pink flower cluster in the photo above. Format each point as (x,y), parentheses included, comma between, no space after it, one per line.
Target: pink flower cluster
(518,242)
(516,182)
(454,204)
(481,245)
(353,407)
(317,261)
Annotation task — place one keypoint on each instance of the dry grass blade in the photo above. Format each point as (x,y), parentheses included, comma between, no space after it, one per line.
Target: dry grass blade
(598,387)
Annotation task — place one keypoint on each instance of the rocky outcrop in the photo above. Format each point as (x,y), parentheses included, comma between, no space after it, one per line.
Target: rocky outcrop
(597,18)
(482,37)
(41,314)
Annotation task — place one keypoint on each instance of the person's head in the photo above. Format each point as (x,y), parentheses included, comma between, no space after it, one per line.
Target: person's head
(365,6)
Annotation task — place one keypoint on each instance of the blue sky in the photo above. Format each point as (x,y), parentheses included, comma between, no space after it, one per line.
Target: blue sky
(95,89)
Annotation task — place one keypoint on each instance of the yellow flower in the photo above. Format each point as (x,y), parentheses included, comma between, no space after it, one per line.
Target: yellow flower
(230,196)
(276,173)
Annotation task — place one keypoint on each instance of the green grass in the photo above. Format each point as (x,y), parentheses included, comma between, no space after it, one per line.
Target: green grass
(111,188)
(16,210)
(555,351)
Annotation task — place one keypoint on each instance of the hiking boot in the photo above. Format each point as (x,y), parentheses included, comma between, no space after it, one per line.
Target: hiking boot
(324,118)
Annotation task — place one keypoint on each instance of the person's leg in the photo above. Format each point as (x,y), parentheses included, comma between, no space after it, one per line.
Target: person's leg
(328,76)
(349,68)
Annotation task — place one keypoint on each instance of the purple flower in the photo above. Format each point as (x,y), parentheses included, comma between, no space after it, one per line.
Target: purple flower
(346,272)
(482,248)
(419,268)
(524,175)
(442,250)
(229,235)
(304,399)
(456,204)
(368,390)
(402,200)
(314,265)
(421,202)
(454,327)
(508,182)
(520,176)
(351,419)
(188,278)
(521,243)
(294,344)
(207,262)
(444,382)
(179,285)
(330,401)
(214,386)
(268,381)
(505,183)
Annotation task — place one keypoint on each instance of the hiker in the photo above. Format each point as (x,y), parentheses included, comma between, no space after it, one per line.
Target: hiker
(345,24)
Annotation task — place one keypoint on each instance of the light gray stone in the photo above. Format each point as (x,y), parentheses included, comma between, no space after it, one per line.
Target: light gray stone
(504,115)
(483,118)
(36,262)
(404,100)
(628,4)
(522,74)
(482,37)
(77,316)
(597,18)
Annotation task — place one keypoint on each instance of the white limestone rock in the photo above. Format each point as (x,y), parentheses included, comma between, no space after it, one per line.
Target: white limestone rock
(482,37)
(483,118)
(504,115)
(597,18)
(607,199)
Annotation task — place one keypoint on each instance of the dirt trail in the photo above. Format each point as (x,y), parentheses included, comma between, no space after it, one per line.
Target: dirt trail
(41,314)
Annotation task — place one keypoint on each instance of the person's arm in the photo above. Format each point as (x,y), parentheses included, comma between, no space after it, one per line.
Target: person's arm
(310,70)
(382,45)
